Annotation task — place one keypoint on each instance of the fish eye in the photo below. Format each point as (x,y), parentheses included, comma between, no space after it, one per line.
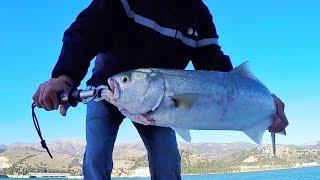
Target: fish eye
(124,79)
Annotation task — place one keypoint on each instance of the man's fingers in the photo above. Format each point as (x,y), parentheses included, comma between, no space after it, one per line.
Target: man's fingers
(47,101)
(280,122)
(49,97)
(35,97)
(60,86)
(40,100)
(276,125)
(280,105)
(46,94)
(64,109)
(285,122)
(54,99)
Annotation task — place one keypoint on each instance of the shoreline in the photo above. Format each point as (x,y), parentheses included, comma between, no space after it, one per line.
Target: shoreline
(81,177)
(258,170)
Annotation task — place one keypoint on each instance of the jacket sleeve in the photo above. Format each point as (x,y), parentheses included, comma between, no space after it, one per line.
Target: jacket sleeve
(84,39)
(208,54)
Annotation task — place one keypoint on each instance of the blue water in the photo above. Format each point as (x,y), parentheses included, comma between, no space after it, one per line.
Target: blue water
(285,174)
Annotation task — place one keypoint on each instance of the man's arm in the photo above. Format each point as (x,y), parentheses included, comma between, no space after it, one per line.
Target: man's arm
(84,39)
(212,58)
(209,57)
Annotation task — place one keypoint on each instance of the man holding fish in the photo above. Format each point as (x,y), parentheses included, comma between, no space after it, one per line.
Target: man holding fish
(127,35)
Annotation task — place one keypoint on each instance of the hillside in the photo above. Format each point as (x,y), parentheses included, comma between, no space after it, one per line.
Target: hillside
(131,159)
(2,148)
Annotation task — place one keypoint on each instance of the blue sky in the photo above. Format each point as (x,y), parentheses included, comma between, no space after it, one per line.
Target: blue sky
(279,38)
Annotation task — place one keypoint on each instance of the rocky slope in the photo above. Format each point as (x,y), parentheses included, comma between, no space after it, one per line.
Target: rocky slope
(131,159)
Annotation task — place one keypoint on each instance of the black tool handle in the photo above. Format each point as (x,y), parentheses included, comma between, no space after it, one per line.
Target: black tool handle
(72,97)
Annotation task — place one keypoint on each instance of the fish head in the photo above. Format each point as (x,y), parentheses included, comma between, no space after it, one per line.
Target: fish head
(137,91)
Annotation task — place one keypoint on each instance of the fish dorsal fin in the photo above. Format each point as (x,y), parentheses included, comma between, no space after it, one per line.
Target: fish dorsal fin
(184,133)
(184,100)
(244,70)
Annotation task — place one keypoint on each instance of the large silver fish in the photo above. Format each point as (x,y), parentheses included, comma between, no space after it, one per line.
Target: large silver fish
(193,99)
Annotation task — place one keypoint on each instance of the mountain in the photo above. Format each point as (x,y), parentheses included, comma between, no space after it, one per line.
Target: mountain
(3,148)
(312,144)
(216,150)
(67,146)
(131,158)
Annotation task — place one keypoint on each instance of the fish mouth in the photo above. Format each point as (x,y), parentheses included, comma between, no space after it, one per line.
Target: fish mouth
(114,88)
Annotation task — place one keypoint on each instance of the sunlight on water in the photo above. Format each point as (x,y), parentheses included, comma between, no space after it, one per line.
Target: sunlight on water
(285,174)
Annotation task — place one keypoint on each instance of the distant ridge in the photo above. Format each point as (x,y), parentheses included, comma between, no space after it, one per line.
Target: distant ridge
(312,144)
(73,147)
(3,148)
(131,158)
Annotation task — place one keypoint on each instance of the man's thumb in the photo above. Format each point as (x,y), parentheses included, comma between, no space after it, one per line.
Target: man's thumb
(64,109)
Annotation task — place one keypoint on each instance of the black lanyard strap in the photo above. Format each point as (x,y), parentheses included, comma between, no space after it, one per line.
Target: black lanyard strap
(37,126)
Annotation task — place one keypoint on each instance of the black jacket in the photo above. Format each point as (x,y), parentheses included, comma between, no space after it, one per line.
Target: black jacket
(131,34)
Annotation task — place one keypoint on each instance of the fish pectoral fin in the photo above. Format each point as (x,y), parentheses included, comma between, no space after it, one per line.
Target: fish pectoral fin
(184,133)
(184,100)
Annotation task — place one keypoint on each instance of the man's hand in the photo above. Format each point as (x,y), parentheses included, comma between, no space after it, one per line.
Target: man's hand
(280,122)
(46,95)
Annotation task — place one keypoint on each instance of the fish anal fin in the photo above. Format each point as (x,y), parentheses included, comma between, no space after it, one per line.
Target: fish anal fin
(255,136)
(256,132)
(184,133)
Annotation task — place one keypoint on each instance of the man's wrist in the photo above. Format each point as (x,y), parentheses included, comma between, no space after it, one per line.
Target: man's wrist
(66,79)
